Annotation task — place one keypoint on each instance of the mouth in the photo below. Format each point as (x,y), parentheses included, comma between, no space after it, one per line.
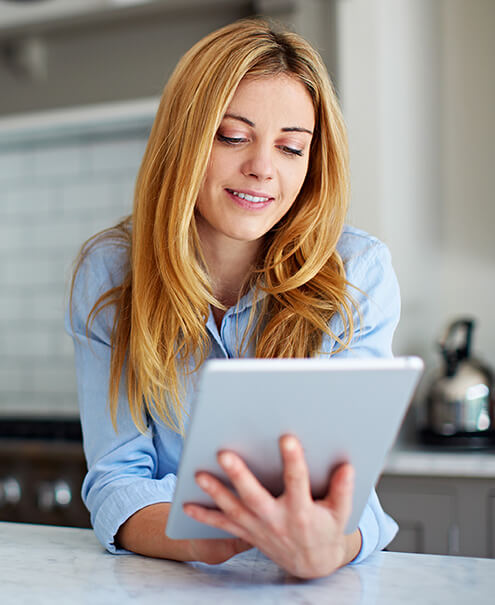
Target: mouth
(250,199)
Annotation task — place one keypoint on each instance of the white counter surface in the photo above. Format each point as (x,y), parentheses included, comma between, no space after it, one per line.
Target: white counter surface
(50,565)
(440,463)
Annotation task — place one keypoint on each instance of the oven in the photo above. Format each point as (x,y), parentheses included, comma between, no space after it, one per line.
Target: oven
(42,467)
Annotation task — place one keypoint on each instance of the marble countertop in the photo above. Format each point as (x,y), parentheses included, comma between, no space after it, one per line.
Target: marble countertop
(51,565)
(440,463)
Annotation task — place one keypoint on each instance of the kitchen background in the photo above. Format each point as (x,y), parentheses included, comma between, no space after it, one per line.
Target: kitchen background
(79,84)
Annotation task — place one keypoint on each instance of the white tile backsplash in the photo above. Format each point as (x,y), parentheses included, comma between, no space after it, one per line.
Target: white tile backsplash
(54,194)
(13,379)
(29,201)
(13,166)
(63,161)
(14,306)
(23,343)
(30,273)
(111,156)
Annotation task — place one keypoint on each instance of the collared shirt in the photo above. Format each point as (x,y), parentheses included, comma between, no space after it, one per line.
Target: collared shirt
(128,470)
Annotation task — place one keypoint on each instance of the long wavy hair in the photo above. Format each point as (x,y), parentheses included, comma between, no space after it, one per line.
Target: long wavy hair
(162,305)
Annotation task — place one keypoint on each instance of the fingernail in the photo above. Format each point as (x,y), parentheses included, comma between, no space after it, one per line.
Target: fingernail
(290,444)
(226,460)
(203,481)
(350,476)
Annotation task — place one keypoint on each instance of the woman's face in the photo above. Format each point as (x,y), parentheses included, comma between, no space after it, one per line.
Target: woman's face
(258,161)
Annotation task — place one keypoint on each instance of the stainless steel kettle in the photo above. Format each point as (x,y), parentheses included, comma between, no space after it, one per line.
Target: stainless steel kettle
(460,405)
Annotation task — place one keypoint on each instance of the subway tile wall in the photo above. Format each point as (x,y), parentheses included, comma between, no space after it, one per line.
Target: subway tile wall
(54,194)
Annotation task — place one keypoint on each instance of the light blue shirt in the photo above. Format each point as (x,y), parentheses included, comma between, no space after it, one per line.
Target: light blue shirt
(129,470)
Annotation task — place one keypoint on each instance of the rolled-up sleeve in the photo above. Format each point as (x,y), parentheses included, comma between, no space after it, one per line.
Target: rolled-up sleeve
(377,528)
(376,291)
(122,464)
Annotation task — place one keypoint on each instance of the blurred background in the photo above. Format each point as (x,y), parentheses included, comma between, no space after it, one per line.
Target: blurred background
(79,85)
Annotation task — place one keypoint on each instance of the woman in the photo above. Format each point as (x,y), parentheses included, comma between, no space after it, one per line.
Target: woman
(236,247)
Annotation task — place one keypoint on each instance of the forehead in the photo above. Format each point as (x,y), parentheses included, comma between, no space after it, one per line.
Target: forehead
(282,98)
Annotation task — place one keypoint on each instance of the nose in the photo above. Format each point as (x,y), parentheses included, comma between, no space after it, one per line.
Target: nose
(259,162)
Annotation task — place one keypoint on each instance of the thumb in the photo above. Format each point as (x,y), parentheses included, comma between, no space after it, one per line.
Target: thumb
(340,491)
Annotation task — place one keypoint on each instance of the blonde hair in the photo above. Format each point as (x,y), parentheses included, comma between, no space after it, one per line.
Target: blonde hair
(162,305)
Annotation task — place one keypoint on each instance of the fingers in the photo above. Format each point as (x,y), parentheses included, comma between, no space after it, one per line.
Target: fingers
(296,474)
(236,515)
(340,492)
(251,493)
(216,519)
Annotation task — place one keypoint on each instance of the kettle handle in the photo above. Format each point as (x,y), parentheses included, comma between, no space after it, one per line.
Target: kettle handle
(451,354)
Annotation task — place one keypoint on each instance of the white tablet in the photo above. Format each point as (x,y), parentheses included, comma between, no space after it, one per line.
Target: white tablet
(341,410)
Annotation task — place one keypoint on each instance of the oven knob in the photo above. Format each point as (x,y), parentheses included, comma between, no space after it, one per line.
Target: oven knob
(10,491)
(55,494)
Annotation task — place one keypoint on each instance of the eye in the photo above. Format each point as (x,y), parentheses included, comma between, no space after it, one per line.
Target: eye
(291,151)
(230,140)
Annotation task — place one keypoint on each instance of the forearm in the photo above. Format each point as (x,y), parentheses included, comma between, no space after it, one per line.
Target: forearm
(144,533)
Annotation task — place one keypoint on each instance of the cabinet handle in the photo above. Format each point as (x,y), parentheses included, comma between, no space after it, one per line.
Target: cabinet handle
(52,495)
(10,491)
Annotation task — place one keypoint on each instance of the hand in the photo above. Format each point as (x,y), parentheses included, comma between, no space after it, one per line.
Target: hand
(303,536)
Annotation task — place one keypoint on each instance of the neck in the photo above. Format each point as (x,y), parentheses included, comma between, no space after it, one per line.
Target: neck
(230,264)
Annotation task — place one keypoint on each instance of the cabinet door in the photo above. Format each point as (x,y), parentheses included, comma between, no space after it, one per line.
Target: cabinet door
(427,521)
(491,525)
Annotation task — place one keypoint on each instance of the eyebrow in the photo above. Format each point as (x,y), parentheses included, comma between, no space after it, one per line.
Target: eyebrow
(234,116)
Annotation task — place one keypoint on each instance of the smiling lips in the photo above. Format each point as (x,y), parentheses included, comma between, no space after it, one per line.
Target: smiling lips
(250,199)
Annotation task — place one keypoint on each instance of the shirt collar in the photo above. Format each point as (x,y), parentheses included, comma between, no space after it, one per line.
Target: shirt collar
(251,298)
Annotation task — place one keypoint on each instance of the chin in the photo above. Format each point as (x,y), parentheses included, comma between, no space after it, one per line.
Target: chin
(247,237)
(245,233)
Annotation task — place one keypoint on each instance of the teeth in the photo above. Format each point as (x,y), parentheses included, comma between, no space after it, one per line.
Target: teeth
(250,198)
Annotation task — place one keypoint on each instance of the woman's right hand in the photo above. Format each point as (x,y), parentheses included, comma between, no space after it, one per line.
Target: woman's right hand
(144,533)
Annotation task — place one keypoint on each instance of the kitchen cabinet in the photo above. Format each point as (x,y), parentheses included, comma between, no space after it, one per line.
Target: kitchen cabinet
(491,522)
(451,513)
(427,520)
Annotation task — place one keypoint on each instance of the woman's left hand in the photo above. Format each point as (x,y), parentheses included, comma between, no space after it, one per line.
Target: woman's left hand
(302,535)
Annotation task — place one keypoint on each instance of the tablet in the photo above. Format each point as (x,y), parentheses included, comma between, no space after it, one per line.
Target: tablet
(340,409)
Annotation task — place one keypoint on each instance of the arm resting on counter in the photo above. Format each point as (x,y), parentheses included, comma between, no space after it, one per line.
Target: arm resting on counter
(144,534)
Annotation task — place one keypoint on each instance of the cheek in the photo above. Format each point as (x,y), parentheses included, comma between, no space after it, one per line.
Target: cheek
(210,180)
(204,199)
(294,180)
(219,165)
(202,194)
(209,176)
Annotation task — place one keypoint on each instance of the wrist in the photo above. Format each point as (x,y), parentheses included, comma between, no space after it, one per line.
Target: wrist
(352,546)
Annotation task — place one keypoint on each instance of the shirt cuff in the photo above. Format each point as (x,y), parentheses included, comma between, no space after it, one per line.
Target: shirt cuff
(124,502)
(374,535)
